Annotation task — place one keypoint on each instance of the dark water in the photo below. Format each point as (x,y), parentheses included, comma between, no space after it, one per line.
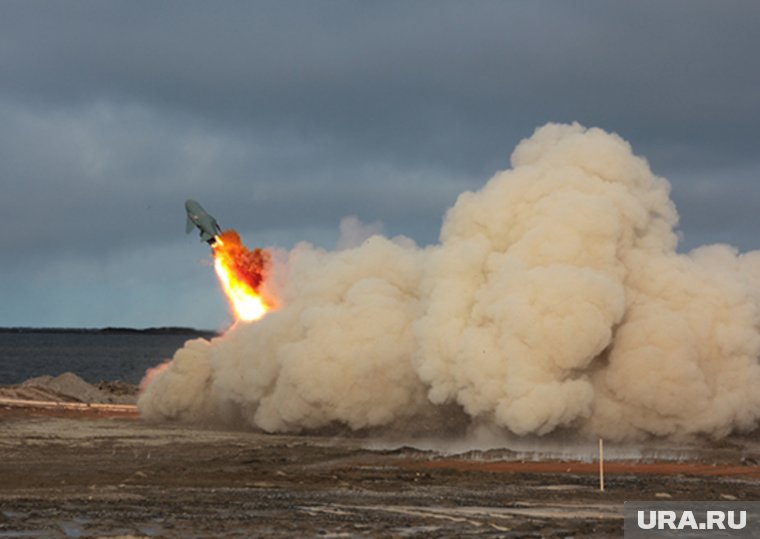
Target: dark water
(94,356)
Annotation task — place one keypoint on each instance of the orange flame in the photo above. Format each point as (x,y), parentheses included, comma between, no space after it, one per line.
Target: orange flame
(242,273)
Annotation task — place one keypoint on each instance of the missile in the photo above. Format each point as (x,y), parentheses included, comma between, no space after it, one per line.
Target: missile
(197,217)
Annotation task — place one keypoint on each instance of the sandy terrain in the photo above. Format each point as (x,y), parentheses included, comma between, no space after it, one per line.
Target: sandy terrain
(68,387)
(81,473)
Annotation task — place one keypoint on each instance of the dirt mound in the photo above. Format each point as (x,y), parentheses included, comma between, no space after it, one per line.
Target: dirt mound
(68,387)
(118,388)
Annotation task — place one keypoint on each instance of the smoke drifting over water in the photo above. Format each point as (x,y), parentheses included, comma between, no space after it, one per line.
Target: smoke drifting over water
(554,300)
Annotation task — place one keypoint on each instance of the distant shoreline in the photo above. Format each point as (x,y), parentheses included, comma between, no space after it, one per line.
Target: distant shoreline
(166,330)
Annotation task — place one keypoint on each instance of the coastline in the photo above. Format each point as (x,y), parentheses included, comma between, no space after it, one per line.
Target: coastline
(115,330)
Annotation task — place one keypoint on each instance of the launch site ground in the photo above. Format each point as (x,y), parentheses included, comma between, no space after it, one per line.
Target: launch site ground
(94,472)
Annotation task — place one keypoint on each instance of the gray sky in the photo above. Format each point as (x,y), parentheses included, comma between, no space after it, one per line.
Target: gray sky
(283,117)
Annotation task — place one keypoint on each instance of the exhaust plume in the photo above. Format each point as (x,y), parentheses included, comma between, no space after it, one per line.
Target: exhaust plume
(554,300)
(241,273)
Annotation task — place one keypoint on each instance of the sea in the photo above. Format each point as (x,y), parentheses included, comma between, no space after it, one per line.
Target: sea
(94,355)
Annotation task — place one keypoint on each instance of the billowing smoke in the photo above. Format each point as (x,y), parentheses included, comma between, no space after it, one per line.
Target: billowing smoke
(554,300)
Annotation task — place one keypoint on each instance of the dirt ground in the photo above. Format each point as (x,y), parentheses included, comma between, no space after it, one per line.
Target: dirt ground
(90,474)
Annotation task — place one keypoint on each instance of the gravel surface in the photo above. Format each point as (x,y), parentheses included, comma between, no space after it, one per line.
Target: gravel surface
(68,387)
(85,476)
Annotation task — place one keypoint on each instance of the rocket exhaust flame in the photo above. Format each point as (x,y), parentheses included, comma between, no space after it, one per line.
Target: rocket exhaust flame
(242,273)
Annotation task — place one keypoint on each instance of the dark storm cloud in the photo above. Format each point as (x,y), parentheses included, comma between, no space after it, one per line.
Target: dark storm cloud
(99,179)
(408,80)
(282,117)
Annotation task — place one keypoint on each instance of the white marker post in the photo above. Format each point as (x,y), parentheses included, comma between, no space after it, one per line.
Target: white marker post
(601,465)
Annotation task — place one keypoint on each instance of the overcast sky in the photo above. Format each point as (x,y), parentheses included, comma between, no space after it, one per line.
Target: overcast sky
(282,117)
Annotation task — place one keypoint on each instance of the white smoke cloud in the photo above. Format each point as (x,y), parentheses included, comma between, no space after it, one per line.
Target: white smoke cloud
(554,300)
(353,232)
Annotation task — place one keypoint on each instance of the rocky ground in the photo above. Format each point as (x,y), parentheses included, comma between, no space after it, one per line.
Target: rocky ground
(68,387)
(78,474)
(88,469)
